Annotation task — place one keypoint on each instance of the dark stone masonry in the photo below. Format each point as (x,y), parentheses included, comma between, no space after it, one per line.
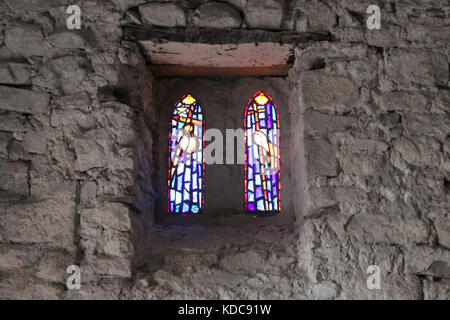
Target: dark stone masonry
(366,152)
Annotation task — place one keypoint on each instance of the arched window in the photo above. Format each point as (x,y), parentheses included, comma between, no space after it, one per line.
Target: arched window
(186,159)
(262,183)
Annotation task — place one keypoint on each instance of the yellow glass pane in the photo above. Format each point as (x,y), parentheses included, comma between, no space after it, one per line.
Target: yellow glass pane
(261,99)
(189,100)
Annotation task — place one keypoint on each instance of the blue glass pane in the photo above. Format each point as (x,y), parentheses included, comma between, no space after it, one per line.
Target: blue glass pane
(250,185)
(194,181)
(259,192)
(178,197)
(187,175)
(180,183)
(195,197)
(260,205)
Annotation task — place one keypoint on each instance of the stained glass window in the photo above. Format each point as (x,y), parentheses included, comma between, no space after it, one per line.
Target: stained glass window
(262,183)
(186,158)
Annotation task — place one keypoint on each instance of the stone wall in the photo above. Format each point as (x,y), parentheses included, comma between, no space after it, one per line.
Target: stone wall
(370,124)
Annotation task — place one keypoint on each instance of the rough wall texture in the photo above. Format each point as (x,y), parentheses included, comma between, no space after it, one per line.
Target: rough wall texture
(370,125)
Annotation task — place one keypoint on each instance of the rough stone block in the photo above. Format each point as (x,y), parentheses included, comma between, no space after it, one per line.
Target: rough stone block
(320,198)
(264,14)
(428,124)
(350,195)
(434,36)
(112,215)
(26,41)
(368,146)
(408,67)
(420,151)
(15,73)
(81,101)
(67,40)
(329,93)
(441,101)
(402,101)
(361,164)
(35,142)
(20,6)
(88,192)
(90,154)
(14,258)
(12,122)
(97,267)
(325,290)
(320,158)
(52,265)
(25,287)
(429,261)
(244,261)
(119,118)
(319,123)
(378,228)
(217,15)
(13,180)
(63,74)
(5,138)
(387,36)
(436,290)
(442,225)
(162,14)
(24,101)
(49,221)
(325,21)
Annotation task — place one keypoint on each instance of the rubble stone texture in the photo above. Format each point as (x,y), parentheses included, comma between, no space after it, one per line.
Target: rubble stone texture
(369,113)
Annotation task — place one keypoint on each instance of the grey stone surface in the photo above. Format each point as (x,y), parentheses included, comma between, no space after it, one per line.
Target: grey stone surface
(217,15)
(403,101)
(20,6)
(377,228)
(387,36)
(15,73)
(264,14)
(320,155)
(48,221)
(23,100)
(365,156)
(67,40)
(63,74)
(26,41)
(316,16)
(162,14)
(423,67)
(319,123)
(328,93)
(14,182)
